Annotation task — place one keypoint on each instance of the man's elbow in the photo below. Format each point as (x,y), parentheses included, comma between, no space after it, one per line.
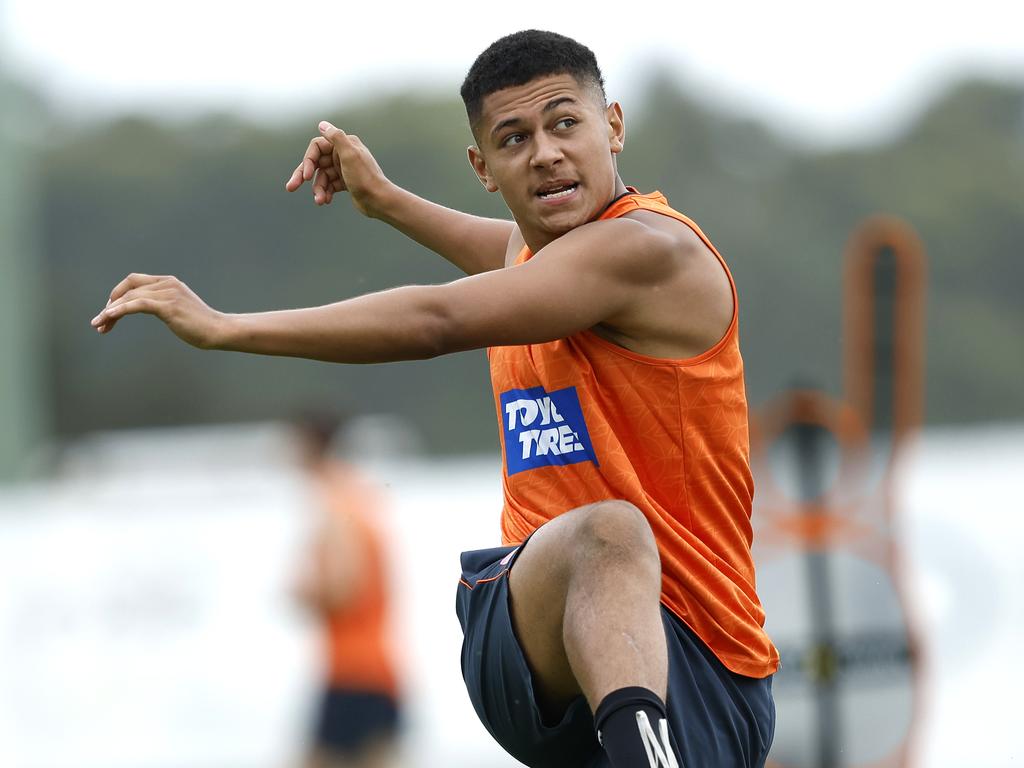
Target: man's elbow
(430,335)
(442,332)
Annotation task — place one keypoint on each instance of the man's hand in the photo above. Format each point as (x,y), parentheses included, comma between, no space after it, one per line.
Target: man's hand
(337,162)
(167,298)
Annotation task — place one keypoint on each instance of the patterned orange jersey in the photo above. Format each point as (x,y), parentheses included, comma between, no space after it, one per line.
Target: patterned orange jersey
(584,420)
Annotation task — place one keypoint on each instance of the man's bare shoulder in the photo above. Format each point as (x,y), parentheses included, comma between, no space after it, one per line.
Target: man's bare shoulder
(683,252)
(683,239)
(647,246)
(641,247)
(692,306)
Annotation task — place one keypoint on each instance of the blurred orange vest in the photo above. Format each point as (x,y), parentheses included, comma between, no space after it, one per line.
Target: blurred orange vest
(583,420)
(358,640)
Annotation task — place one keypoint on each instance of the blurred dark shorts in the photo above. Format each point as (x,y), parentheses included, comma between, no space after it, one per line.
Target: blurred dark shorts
(349,721)
(718,719)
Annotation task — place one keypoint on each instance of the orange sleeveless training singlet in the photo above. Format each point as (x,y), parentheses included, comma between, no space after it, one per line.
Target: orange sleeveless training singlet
(584,420)
(357,637)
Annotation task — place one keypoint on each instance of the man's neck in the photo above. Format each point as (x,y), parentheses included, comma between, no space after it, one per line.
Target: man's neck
(537,240)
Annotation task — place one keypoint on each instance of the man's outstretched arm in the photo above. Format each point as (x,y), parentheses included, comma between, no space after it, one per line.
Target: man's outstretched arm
(337,162)
(579,281)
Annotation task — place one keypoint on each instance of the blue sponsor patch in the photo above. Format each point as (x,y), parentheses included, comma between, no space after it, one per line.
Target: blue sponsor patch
(544,429)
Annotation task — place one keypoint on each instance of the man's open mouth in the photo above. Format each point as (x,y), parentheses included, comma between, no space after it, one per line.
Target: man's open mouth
(557,190)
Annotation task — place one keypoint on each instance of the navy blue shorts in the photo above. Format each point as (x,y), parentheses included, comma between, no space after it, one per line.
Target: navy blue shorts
(349,721)
(718,719)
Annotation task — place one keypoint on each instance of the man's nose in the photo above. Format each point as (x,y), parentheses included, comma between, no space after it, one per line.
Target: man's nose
(546,150)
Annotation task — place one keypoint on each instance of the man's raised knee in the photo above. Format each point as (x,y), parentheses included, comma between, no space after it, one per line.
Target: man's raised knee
(615,528)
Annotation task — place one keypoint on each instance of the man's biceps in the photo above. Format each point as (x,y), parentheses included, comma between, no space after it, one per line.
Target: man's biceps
(512,294)
(557,311)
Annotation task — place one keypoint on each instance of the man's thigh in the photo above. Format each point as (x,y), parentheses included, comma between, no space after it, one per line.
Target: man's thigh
(498,679)
(583,583)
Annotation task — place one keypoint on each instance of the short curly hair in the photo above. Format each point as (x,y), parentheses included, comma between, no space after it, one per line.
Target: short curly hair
(518,58)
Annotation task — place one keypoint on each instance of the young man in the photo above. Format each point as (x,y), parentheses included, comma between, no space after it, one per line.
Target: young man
(626,583)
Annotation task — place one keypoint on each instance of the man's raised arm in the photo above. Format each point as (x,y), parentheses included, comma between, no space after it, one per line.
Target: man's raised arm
(337,162)
(574,283)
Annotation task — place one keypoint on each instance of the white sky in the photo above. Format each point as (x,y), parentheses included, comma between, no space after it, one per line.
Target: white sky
(827,72)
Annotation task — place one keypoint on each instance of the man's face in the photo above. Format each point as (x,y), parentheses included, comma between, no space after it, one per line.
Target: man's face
(548,146)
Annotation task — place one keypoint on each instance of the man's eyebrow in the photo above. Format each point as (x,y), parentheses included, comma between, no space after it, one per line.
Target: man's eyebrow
(553,104)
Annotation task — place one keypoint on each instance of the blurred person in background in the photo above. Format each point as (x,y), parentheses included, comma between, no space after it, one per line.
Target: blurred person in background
(343,582)
(619,625)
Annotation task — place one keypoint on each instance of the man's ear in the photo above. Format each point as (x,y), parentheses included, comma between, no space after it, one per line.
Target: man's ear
(616,127)
(476,159)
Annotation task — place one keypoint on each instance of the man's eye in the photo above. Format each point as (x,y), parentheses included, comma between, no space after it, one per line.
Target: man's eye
(566,122)
(515,138)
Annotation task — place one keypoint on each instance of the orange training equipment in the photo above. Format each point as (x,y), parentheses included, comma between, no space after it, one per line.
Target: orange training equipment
(584,420)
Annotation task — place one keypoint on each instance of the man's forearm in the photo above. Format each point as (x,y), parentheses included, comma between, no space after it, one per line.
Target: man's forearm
(399,324)
(472,243)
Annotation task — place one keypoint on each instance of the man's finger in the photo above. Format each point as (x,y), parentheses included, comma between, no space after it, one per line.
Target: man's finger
(335,182)
(111,314)
(132,307)
(295,180)
(318,147)
(152,294)
(310,158)
(320,187)
(336,137)
(134,280)
(328,186)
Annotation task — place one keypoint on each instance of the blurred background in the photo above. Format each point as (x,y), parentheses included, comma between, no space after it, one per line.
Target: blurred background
(153,509)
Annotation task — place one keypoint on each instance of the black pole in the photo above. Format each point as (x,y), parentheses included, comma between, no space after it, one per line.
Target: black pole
(824,658)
